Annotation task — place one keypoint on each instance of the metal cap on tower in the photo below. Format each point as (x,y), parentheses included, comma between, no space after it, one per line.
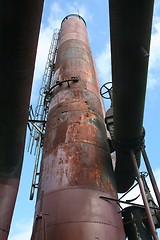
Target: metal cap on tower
(73,15)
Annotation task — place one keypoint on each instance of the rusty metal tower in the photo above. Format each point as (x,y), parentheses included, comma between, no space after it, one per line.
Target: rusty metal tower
(76,180)
(76,167)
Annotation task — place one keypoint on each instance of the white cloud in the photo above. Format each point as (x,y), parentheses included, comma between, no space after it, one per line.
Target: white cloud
(22,230)
(103,64)
(157,177)
(154,61)
(56,9)
(55,17)
(155,50)
(135,192)
(103,60)
(45,37)
(152,81)
(77,8)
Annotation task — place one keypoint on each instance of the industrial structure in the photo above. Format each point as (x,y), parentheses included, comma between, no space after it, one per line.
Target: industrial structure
(19,29)
(77,179)
(76,164)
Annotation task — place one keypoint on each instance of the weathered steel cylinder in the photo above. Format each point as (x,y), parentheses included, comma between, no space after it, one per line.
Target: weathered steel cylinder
(76,168)
(130,27)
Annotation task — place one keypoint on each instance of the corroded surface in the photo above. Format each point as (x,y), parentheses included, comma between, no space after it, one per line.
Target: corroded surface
(76,167)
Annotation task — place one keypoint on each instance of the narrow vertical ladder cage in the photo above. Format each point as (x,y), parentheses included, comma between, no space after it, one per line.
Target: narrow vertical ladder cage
(38,117)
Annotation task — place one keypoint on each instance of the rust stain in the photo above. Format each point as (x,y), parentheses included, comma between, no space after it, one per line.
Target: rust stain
(76,154)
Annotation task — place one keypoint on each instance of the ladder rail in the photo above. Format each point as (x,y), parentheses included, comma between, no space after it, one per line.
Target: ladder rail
(41,112)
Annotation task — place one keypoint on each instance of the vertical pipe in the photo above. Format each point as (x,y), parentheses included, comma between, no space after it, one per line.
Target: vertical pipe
(148,213)
(151,175)
(19,28)
(76,166)
(8,194)
(130,30)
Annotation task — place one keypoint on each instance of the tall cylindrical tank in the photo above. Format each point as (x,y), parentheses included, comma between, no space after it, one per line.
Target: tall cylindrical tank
(76,167)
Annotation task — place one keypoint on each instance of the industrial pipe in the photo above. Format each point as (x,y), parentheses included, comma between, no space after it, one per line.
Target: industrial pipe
(151,175)
(76,168)
(144,197)
(19,30)
(130,29)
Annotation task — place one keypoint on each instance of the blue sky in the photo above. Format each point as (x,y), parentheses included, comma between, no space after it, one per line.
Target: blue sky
(96,14)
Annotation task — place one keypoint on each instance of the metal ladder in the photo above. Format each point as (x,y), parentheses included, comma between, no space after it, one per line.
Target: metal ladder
(38,117)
